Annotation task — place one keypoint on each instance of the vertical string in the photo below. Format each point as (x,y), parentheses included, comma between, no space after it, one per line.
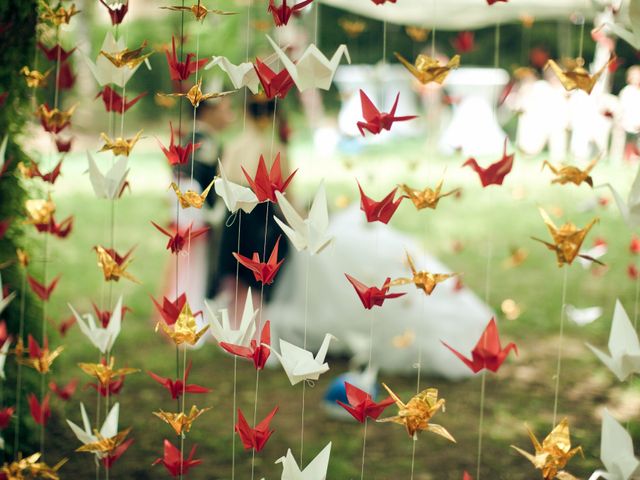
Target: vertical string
(16,435)
(560,345)
(581,40)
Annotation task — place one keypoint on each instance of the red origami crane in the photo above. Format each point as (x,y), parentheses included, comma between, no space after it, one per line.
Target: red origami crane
(60,230)
(173,461)
(491,2)
(3,98)
(104,316)
(63,146)
(374,120)
(54,121)
(65,325)
(4,226)
(259,353)
(254,438)
(109,460)
(180,71)
(41,290)
(114,102)
(494,174)
(372,296)
(66,392)
(382,2)
(488,353)
(33,171)
(5,417)
(171,310)
(274,84)
(464,42)
(466,476)
(178,387)
(266,184)
(55,53)
(114,387)
(117,11)
(282,14)
(263,272)
(178,240)
(381,211)
(66,78)
(361,405)
(177,154)
(634,245)
(41,412)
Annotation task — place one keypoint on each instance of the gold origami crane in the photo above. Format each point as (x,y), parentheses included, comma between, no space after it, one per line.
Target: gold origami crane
(105,446)
(58,16)
(417,34)
(39,211)
(353,28)
(426,198)
(516,258)
(184,330)
(570,174)
(40,361)
(567,239)
(199,12)
(55,118)
(423,280)
(30,467)
(127,58)
(195,95)
(575,76)
(427,69)
(415,414)
(554,453)
(181,422)
(34,78)
(119,146)
(23,257)
(191,198)
(111,268)
(104,372)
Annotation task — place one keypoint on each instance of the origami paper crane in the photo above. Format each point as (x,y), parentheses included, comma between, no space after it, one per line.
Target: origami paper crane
(63,146)
(65,392)
(173,461)
(427,69)
(181,71)
(569,174)
(104,372)
(116,10)
(55,53)
(60,230)
(33,171)
(488,352)
(30,467)
(198,10)
(382,2)
(567,239)
(423,280)
(40,411)
(361,405)
(105,71)
(575,76)
(265,184)
(191,198)
(241,75)
(310,233)
(5,300)
(59,15)
(39,211)
(493,174)
(35,78)
(630,210)
(170,311)
(381,211)
(416,414)
(43,292)
(119,145)
(553,454)
(583,316)
(282,14)
(114,102)
(109,185)
(195,95)
(376,121)
(114,267)
(101,337)
(181,238)
(616,450)
(178,387)
(624,346)
(262,272)
(254,438)
(464,42)
(4,352)
(299,364)
(257,352)
(236,197)
(126,57)
(5,417)
(181,422)
(112,458)
(109,390)
(426,198)
(54,120)
(491,2)
(177,154)
(312,69)
(372,296)
(274,84)
(184,330)
(223,332)
(4,163)
(353,28)
(315,470)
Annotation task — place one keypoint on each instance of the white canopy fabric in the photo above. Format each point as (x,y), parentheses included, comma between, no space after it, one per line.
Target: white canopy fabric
(467,14)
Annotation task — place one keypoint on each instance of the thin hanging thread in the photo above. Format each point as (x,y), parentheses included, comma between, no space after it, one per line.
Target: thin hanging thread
(581,40)
(560,345)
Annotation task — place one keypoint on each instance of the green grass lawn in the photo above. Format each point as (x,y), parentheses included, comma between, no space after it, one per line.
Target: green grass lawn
(522,392)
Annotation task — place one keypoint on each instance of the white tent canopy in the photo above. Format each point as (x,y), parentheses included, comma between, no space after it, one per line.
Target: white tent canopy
(468,14)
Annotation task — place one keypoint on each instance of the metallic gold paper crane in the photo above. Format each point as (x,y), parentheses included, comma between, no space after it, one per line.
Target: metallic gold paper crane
(111,268)
(195,95)
(198,10)
(417,34)
(34,78)
(191,198)
(38,358)
(185,328)
(39,211)
(427,69)
(574,75)
(59,15)
(105,372)
(54,118)
(353,28)
(181,422)
(569,174)
(554,453)
(127,58)
(426,198)
(30,467)
(423,280)
(119,146)
(105,447)
(416,414)
(23,257)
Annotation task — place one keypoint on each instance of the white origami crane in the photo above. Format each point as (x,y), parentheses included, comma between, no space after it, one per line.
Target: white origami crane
(3,151)
(106,72)
(86,435)
(299,364)
(235,197)
(596,252)
(630,210)
(108,185)
(5,301)
(242,75)
(313,69)
(616,452)
(631,37)
(4,351)
(624,346)
(102,338)
(316,470)
(222,331)
(583,316)
(309,233)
